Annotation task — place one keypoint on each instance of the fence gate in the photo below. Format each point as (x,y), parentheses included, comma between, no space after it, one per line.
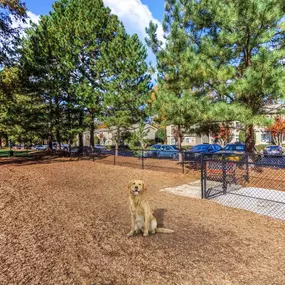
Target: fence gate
(255,184)
(218,177)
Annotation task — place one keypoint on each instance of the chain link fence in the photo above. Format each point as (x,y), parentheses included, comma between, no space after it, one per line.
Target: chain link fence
(250,182)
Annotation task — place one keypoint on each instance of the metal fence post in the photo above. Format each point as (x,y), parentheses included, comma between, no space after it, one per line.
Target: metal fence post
(247,169)
(183,161)
(203,178)
(224,175)
(142,159)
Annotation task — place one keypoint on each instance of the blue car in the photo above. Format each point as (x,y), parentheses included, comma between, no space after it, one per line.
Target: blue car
(152,151)
(233,151)
(168,151)
(197,151)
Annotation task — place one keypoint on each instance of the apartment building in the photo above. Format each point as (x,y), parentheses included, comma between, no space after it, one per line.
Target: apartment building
(106,136)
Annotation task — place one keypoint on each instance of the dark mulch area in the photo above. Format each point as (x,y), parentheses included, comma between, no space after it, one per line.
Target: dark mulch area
(65,222)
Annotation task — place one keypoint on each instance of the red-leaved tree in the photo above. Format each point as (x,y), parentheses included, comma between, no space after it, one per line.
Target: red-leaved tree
(277,130)
(223,135)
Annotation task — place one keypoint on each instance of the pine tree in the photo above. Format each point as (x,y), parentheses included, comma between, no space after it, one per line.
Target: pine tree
(82,63)
(127,92)
(230,52)
(84,32)
(20,113)
(9,35)
(47,79)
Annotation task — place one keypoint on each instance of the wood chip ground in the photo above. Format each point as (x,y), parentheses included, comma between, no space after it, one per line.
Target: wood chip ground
(65,222)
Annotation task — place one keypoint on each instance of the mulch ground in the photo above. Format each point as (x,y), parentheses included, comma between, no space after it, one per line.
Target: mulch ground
(65,222)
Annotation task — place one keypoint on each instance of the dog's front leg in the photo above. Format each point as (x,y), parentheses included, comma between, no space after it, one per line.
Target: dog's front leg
(146,224)
(131,233)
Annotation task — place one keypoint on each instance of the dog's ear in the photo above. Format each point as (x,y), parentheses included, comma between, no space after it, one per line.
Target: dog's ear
(129,186)
(144,187)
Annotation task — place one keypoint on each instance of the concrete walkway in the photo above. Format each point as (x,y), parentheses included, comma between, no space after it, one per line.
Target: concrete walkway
(262,201)
(265,202)
(192,190)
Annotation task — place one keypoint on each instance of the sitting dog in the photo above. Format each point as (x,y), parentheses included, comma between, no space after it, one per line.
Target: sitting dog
(141,214)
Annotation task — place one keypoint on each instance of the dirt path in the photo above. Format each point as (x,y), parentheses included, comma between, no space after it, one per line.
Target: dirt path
(66,223)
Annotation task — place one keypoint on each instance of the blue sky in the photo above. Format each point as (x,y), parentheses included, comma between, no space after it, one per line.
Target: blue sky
(44,6)
(135,14)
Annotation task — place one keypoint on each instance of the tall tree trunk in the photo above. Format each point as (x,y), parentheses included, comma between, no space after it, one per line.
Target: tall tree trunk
(80,140)
(69,142)
(0,142)
(249,139)
(58,138)
(80,135)
(179,143)
(92,129)
(50,141)
(117,142)
(57,114)
(6,140)
(116,149)
(50,123)
(69,122)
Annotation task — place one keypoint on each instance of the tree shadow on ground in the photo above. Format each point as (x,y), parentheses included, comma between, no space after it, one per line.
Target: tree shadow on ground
(45,159)
(159,215)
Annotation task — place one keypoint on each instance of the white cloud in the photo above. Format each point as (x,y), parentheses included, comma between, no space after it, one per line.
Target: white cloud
(31,17)
(135,16)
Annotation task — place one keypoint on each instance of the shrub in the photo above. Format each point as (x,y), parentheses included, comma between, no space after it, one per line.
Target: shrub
(241,136)
(261,147)
(160,135)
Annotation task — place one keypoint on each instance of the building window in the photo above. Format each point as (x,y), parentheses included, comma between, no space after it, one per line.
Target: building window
(172,141)
(188,140)
(265,137)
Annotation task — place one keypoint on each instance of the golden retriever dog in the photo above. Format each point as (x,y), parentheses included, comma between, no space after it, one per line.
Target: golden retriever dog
(141,214)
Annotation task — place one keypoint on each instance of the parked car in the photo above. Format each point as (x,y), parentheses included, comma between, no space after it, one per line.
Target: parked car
(65,147)
(41,147)
(102,150)
(82,150)
(74,151)
(168,151)
(55,146)
(152,150)
(233,151)
(28,146)
(197,151)
(86,150)
(123,150)
(273,150)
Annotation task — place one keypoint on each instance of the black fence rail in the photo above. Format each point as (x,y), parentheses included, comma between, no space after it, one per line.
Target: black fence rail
(166,160)
(170,160)
(251,182)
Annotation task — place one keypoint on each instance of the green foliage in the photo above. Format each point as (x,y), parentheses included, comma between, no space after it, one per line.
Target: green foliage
(160,135)
(82,64)
(9,35)
(138,137)
(261,147)
(18,110)
(229,53)
(241,136)
(124,102)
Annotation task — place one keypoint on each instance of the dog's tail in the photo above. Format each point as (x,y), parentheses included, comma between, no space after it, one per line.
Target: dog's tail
(164,231)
